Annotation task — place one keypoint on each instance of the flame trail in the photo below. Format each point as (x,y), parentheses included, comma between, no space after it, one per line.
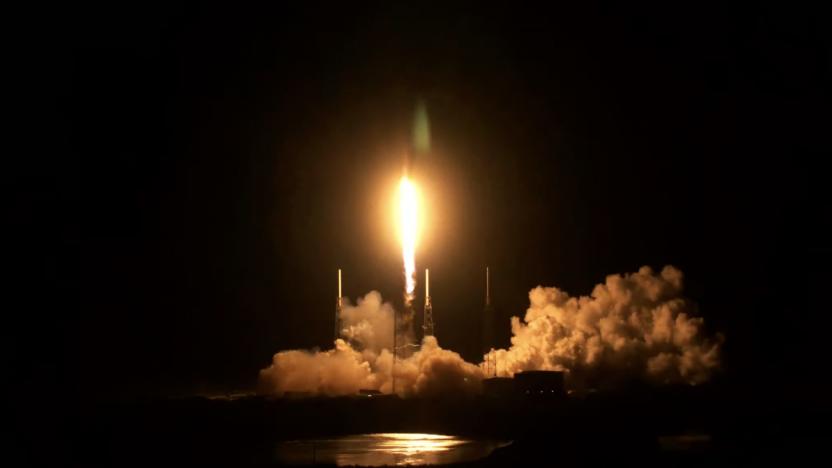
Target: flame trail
(408,219)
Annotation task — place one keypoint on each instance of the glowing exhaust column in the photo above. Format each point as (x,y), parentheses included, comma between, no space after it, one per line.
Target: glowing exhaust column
(408,232)
(407,223)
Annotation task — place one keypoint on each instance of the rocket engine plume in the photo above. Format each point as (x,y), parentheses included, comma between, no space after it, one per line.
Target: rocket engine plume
(408,219)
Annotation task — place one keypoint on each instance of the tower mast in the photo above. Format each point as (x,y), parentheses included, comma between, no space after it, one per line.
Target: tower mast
(488,326)
(339,304)
(427,325)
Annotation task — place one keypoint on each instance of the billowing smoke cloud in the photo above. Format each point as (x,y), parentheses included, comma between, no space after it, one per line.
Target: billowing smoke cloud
(632,326)
(339,371)
(368,324)
(433,370)
(362,359)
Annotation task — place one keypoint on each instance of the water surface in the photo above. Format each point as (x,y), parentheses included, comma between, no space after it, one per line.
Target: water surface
(385,449)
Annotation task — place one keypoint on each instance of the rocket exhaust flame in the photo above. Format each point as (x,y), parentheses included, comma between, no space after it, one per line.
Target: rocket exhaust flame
(408,225)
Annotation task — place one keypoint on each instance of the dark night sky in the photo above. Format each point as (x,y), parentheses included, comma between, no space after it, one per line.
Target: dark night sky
(230,159)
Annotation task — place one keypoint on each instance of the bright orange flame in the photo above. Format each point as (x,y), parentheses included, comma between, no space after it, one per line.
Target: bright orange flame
(408,223)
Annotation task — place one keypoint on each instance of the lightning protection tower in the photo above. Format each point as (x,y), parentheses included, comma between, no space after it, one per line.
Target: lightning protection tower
(339,304)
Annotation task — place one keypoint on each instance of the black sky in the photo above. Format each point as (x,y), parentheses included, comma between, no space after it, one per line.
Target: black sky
(231,158)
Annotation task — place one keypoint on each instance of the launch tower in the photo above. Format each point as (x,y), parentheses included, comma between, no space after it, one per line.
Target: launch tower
(427,325)
(488,327)
(339,304)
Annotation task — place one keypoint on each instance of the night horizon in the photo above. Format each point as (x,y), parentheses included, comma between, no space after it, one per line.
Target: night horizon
(231,160)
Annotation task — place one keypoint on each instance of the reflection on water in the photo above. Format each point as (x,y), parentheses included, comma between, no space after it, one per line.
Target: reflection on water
(385,449)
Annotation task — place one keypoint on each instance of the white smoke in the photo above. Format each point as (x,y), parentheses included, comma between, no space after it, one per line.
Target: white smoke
(339,371)
(433,371)
(368,324)
(363,360)
(636,325)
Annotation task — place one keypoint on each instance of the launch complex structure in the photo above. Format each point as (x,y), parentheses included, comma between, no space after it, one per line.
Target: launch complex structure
(339,305)
(487,336)
(427,318)
(428,325)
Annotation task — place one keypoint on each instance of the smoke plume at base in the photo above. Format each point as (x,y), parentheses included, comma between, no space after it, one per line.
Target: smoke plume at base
(633,326)
(362,359)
